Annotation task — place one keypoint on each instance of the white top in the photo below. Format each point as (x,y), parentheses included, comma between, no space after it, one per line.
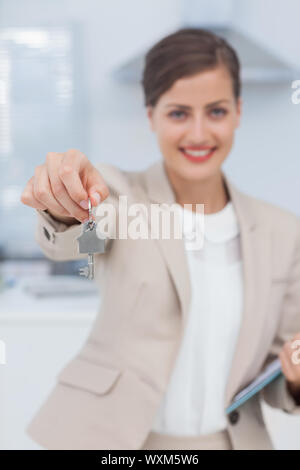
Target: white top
(194,402)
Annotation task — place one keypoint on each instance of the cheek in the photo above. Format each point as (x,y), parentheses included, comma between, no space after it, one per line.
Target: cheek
(170,135)
(224,132)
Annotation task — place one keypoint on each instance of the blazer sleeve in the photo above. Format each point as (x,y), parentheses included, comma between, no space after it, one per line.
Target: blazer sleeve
(58,240)
(276,394)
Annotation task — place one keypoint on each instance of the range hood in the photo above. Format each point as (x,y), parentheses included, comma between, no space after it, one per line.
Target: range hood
(259,65)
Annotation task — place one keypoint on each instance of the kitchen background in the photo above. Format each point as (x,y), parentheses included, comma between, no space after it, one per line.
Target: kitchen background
(69,78)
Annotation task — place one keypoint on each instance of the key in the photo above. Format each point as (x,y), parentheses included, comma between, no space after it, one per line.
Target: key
(89,243)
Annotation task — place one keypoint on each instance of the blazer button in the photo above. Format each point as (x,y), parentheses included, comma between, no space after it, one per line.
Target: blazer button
(234,416)
(46,233)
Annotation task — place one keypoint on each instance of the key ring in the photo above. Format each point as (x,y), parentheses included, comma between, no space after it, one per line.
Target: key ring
(91,222)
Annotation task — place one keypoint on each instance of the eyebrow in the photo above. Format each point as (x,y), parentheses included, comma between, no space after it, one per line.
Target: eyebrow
(182,106)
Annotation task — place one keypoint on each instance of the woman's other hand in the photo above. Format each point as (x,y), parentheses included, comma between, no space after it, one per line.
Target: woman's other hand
(290,364)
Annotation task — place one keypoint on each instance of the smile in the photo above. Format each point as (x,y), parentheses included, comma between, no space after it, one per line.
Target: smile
(198,155)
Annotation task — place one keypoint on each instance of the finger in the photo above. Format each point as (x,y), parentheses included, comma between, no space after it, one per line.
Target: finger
(85,172)
(43,193)
(28,198)
(296,338)
(292,351)
(295,346)
(96,187)
(287,367)
(60,186)
(73,163)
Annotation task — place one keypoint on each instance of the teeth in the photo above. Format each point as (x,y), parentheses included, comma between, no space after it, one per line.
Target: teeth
(197,153)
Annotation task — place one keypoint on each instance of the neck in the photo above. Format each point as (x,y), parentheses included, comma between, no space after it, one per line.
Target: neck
(211,192)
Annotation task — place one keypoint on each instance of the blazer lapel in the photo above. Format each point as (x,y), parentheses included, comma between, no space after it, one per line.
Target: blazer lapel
(160,191)
(256,257)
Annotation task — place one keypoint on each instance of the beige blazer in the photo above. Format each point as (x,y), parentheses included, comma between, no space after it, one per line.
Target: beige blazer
(106,397)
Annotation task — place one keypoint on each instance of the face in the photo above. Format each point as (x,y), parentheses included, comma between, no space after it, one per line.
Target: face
(195,122)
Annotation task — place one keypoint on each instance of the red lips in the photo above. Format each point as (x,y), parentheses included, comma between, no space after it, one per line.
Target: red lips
(197,148)
(198,159)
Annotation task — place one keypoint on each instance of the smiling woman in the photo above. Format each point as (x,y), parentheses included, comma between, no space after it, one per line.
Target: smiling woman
(183,330)
(192,93)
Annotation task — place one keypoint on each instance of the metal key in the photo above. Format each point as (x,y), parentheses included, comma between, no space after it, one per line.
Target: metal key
(90,243)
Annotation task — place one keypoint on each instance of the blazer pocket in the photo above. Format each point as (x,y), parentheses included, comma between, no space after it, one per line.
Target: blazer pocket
(93,377)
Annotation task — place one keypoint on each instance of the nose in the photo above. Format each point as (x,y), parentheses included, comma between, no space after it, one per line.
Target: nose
(198,131)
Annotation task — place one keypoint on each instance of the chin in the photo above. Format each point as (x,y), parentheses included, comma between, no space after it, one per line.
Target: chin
(196,172)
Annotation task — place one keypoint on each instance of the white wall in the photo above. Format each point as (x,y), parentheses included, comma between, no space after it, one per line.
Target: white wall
(274,22)
(265,158)
(112,32)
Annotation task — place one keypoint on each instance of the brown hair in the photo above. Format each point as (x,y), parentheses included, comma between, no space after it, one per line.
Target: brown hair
(184,53)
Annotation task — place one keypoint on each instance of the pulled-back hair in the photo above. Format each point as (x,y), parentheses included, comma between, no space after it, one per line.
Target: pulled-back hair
(184,53)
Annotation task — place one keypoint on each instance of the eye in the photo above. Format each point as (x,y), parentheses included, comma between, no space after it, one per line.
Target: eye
(219,112)
(176,113)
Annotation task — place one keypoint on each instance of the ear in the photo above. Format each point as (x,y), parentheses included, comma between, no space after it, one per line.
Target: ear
(239,111)
(150,116)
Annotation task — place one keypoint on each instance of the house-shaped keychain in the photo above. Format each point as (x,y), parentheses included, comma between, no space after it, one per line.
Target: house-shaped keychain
(89,242)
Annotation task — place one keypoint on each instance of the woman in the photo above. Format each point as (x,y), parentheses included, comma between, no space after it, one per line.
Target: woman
(180,331)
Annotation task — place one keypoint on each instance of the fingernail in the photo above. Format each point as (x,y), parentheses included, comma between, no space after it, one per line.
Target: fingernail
(84,204)
(97,197)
